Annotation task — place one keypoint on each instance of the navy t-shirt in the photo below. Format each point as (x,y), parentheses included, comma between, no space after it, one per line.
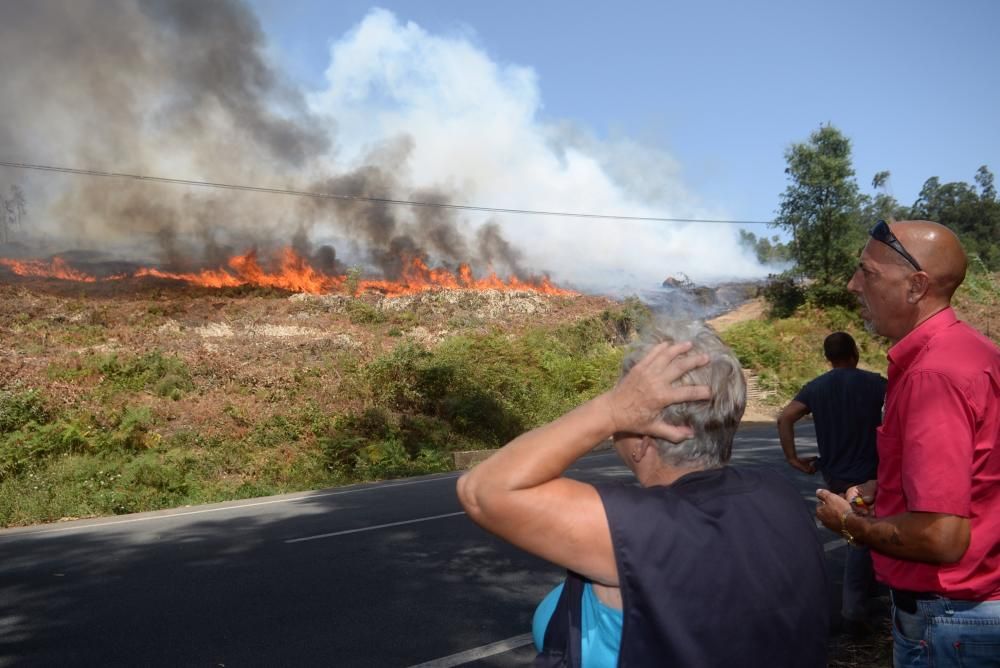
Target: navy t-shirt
(846,405)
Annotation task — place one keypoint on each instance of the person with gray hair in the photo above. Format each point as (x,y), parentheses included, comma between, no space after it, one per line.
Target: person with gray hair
(701,564)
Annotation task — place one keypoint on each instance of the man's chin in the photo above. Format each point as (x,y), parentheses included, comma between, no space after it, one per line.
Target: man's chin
(869,326)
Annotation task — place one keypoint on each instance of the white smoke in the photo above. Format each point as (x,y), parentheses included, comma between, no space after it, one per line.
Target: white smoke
(476,131)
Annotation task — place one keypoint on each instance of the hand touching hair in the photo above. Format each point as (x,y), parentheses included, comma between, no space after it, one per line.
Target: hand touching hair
(714,421)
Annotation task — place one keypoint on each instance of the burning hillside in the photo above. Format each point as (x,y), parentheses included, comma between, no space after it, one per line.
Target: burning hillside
(294,273)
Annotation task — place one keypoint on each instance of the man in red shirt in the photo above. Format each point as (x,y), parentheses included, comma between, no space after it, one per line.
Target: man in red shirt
(935,531)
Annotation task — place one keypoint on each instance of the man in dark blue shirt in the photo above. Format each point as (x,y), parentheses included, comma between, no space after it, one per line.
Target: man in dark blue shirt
(846,405)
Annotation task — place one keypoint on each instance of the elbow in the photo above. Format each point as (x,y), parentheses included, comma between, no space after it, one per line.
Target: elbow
(953,551)
(468,496)
(950,543)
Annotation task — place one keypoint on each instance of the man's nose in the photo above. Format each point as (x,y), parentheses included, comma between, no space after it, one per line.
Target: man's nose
(852,285)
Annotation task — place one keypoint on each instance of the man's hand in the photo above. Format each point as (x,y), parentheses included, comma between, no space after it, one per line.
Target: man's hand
(862,497)
(804,464)
(830,508)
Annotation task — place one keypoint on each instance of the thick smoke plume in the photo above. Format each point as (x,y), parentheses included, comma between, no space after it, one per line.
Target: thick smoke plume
(184,89)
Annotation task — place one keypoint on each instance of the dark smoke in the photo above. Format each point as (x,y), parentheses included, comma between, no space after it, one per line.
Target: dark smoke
(182,88)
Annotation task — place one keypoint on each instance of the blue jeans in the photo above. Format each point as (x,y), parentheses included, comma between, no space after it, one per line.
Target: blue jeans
(947,632)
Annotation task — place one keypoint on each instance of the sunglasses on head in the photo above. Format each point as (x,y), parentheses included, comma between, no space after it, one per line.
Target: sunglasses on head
(881,232)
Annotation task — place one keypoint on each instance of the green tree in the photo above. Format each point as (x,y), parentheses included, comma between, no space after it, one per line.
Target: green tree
(767,251)
(882,205)
(820,208)
(974,216)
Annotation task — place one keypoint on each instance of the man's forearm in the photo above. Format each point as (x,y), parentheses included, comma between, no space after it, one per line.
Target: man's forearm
(786,436)
(934,538)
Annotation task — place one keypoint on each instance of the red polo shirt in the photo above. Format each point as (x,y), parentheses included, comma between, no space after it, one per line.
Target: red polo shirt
(939,452)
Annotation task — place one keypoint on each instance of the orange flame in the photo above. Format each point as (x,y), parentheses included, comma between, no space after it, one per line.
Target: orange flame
(56,268)
(294,273)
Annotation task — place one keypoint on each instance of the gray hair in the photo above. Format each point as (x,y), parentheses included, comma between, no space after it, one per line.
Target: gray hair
(714,421)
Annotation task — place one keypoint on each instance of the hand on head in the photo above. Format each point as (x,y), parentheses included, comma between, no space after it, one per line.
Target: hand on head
(640,397)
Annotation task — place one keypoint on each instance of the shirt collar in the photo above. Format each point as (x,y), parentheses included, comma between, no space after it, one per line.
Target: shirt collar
(907,348)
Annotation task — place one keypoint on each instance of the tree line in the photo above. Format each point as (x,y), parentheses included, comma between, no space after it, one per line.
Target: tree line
(827,217)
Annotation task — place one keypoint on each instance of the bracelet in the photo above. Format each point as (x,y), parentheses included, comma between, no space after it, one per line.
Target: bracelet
(843,529)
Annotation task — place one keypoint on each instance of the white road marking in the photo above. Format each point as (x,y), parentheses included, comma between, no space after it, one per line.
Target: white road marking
(148,518)
(477,653)
(373,528)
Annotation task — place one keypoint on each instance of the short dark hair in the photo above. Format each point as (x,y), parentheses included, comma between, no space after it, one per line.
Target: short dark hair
(840,347)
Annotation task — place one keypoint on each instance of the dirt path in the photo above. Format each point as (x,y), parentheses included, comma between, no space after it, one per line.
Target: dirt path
(757,412)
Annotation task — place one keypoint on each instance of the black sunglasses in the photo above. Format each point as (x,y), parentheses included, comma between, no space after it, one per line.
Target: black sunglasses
(881,232)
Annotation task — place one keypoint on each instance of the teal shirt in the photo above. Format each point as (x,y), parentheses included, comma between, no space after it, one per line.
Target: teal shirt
(601,632)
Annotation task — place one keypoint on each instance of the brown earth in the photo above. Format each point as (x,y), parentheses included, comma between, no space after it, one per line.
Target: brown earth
(249,349)
(264,340)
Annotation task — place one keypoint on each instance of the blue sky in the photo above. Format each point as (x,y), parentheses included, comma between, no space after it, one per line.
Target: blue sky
(665,109)
(723,88)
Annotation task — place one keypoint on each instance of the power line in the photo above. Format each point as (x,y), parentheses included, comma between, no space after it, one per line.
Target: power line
(361,198)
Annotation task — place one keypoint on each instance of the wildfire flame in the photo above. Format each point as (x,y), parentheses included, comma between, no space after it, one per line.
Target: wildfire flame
(294,273)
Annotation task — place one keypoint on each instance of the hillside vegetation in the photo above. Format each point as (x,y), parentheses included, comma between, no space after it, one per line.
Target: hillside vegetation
(117,404)
(154,398)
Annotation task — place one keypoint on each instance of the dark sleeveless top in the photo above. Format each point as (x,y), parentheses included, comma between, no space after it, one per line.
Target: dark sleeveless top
(722,568)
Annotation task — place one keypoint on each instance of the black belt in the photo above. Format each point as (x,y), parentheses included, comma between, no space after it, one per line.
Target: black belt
(907,600)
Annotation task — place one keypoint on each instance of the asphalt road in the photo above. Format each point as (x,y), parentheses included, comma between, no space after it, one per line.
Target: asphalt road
(385,574)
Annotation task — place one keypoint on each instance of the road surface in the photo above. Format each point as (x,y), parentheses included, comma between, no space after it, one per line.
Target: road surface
(384,574)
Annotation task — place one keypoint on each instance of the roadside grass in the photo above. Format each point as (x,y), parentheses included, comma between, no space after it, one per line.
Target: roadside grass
(110,443)
(786,353)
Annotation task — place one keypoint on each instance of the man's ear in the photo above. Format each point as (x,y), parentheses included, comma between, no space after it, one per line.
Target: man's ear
(920,282)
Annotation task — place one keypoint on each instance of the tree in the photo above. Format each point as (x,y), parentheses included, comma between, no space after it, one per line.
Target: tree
(973,216)
(984,177)
(768,251)
(881,206)
(820,208)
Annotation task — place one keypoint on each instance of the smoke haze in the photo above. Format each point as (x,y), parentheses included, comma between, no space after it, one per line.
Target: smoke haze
(183,89)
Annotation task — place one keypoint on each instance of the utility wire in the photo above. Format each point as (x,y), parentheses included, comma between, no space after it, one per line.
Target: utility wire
(361,198)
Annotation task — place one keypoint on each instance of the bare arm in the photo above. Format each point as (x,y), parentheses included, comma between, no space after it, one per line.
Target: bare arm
(792,413)
(518,494)
(935,538)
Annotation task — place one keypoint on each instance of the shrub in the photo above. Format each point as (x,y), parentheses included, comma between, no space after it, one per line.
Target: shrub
(821,295)
(167,375)
(361,312)
(783,295)
(375,445)
(622,324)
(20,407)
(129,434)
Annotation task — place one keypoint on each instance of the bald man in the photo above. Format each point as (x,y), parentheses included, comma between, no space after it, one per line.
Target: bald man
(935,529)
